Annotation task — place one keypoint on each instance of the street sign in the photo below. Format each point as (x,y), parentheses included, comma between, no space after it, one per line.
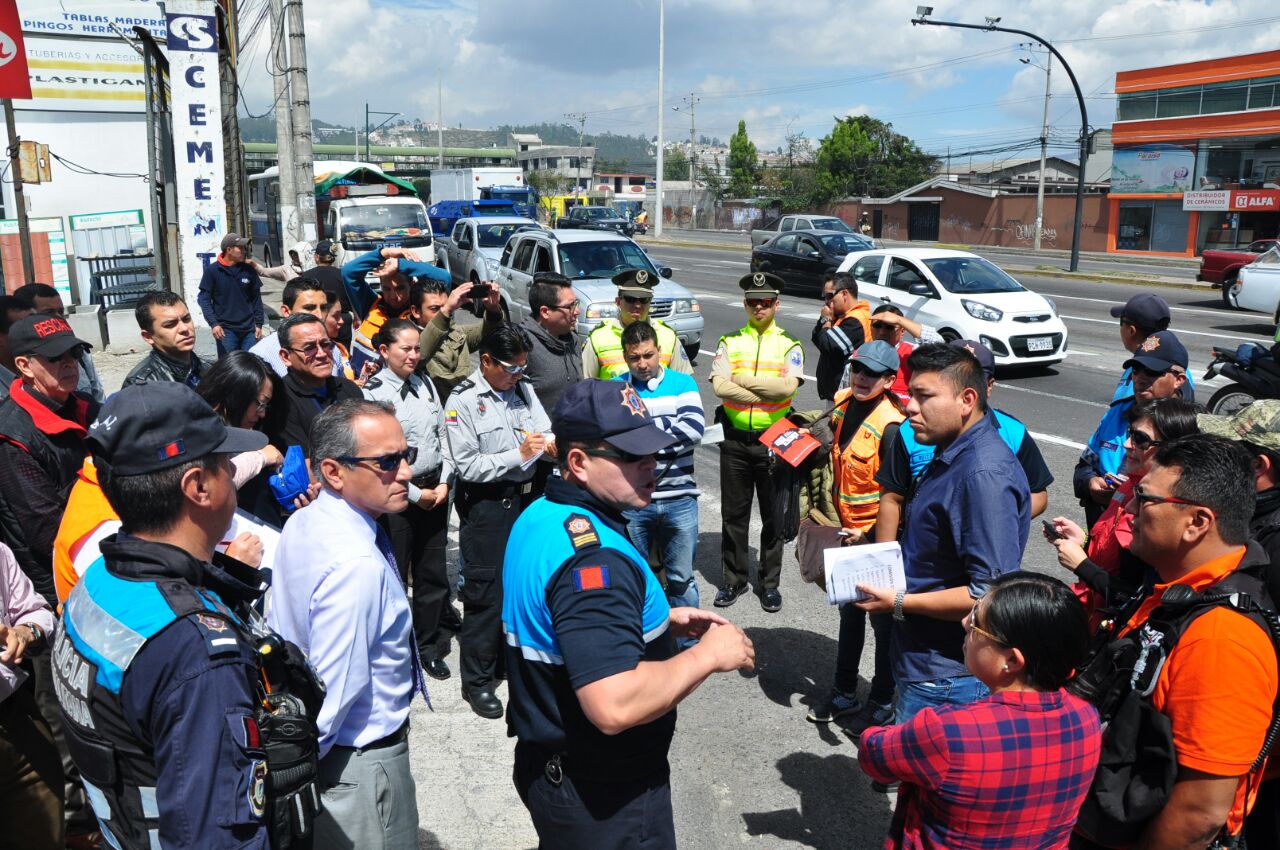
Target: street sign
(14,81)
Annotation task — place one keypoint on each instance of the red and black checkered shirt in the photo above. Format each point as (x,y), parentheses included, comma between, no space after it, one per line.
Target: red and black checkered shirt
(1010,771)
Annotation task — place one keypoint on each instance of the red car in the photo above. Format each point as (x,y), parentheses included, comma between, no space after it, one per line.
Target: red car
(1222,267)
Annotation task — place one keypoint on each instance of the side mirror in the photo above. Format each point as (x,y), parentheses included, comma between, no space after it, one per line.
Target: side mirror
(815,255)
(665,271)
(920,288)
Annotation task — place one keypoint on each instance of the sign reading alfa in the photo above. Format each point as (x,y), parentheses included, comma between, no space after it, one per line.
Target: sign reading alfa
(192,37)
(1233,200)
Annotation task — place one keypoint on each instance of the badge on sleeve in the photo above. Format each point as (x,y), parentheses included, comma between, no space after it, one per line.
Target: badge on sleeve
(258,788)
(591,578)
(219,639)
(581,531)
(797,358)
(451,417)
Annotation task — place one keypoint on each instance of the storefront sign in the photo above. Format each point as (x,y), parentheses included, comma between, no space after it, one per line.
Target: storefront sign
(1243,200)
(69,75)
(14,82)
(92,18)
(1216,200)
(1152,169)
(124,218)
(52,228)
(197,136)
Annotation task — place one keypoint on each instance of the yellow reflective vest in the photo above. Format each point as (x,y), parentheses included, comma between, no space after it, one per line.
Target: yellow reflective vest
(606,342)
(765,355)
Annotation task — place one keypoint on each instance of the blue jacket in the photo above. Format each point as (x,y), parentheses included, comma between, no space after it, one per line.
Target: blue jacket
(361,294)
(231,296)
(1104,453)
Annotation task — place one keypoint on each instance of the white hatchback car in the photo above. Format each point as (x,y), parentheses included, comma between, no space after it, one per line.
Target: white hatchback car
(1258,284)
(964,297)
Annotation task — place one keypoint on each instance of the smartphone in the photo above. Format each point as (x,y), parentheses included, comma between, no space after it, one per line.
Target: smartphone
(1049,531)
(479,292)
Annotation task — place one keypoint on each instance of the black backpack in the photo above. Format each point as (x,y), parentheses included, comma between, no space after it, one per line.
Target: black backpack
(1138,764)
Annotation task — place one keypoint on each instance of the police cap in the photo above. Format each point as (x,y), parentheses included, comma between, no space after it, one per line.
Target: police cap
(761,285)
(638,283)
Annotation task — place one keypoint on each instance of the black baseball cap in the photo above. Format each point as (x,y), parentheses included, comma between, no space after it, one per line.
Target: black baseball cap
(154,426)
(1159,352)
(1146,310)
(981,352)
(325,248)
(611,411)
(40,333)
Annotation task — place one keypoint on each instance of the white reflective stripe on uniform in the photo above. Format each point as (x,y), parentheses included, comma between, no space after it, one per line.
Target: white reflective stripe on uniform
(654,634)
(150,808)
(97,800)
(153,835)
(534,654)
(102,632)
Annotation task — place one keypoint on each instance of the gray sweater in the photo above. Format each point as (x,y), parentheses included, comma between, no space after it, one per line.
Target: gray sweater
(554,363)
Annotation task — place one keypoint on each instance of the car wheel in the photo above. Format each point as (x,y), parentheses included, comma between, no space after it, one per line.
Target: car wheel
(1231,292)
(1229,399)
(949,335)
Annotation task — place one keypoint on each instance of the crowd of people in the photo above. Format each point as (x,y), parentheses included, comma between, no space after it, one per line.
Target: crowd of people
(223,588)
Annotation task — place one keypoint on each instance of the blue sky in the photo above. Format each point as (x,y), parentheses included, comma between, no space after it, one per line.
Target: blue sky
(782,66)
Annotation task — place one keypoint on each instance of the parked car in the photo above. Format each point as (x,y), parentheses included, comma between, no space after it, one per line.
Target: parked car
(1221,267)
(788,223)
(591,258)
(803,257)
(472,250)
(595,218)
(965,297)
(1257,285)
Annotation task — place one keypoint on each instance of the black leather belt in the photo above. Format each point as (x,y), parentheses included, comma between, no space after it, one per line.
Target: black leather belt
(396,737)
(496,489)
(427,480)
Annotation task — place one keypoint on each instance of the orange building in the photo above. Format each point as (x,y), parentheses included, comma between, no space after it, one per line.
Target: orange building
(1197,156)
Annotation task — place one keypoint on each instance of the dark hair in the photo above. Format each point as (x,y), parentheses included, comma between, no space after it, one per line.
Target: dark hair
(1217,473)
(958,368)
(828,277)
(638,332)
(887,308)
(234,382)
(142,312)
(844,280)
(1162,325)
(423,287)
(29,292)
(506,341)
(333,431)
(1039,616)
(545,291)
(296,287)
(1172,418)
(387,333)
(150,502)
(285,332)
(7,303)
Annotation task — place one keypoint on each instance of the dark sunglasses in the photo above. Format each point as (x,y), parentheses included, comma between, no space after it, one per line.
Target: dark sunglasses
(636,299)
(310,349)
(616,454)
(753,303)
(827,296)
(386,463)
(1140,498)
(859,369)
(1142,440)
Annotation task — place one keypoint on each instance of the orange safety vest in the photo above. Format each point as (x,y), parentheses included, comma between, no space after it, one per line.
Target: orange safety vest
(88,518)
(373,322)
(855,467)
(861,312)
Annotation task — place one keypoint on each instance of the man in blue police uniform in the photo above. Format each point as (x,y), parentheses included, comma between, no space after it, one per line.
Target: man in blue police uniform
(155,668)
(591,652)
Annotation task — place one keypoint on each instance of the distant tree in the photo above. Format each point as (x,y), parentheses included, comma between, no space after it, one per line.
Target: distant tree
(547,183)
(715,185)
(744,165)
(864,156)
(675,165)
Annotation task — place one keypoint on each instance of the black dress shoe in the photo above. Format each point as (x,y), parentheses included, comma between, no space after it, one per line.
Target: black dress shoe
(726,596)
(771,600)
(436,668)
(483,703)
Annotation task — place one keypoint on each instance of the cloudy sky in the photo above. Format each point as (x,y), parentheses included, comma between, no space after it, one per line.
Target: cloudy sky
(780,65)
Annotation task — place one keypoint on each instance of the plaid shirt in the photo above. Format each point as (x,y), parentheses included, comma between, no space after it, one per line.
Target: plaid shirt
(1010,771)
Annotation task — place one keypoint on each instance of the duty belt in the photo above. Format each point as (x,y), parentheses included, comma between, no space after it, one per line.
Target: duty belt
(427,480)
(496,489)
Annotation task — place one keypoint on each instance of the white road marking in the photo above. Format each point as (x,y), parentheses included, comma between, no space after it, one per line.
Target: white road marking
(1218,313)
(1178,331)
(1058,396)
(1058,441)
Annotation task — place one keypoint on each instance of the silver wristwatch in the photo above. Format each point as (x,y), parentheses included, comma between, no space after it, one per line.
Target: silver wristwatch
(897,605)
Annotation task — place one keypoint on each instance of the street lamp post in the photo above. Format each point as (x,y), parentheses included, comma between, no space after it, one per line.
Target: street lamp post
(990,26)
(368,132)
(1044,147)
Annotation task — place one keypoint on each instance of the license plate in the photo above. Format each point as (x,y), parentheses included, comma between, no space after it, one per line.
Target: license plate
(1040,343)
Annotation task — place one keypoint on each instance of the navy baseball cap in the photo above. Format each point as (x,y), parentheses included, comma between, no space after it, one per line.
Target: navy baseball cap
(1159,352)
(154,426)
(878,356)
(980,351)
(611,411)
(325,248)
(1146,310)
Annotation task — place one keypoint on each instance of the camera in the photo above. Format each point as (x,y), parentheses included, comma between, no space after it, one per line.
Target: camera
(480,291)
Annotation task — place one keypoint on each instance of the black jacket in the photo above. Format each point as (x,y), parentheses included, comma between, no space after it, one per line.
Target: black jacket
(1265,528)
(155,367)
(304,405)
(231,296)
(555,363)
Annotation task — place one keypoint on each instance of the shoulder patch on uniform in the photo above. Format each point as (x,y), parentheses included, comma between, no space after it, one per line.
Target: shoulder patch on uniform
(464,384)
(582,532)
(591,578)
(219,637)
(451,417)
(258,788)
(372,383)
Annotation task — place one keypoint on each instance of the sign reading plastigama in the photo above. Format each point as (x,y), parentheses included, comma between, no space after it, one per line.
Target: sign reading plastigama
(192,38)
(70,75)
(93,18)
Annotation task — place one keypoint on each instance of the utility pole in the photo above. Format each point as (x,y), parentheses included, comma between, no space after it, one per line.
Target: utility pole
(287,192)
(692,100)
(440,118)
(662,55)
(19,199)
(232,150)
(300,107)
(582,125)
(1044,146)
(368,134)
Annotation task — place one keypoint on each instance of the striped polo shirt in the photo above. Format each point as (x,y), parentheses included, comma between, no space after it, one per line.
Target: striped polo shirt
(673,400)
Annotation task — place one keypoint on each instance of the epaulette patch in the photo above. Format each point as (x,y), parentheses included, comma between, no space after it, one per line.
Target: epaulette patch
(219,637)
(582,532)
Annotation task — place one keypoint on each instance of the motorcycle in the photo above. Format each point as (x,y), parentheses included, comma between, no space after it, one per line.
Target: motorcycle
(1254,371)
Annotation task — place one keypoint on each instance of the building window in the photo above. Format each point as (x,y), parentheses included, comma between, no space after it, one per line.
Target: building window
(1210,99)
(1136,107)
(552,162)
(1263,96)
(1224,97)
(575,162)
(1178,103)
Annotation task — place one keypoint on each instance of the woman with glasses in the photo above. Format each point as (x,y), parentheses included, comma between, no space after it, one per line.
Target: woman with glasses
(419,533)
(1011,770)
(1105,568)
(496,429)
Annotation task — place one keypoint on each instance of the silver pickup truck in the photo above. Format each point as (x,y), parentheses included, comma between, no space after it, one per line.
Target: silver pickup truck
(471,251)
(804,221)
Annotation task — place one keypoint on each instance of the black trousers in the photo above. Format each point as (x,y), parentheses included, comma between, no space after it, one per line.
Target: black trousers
(79,815)
(31,783)
(419,539)
(578,814)
(1262,827)
(486,516)
(853,633)
(744,470)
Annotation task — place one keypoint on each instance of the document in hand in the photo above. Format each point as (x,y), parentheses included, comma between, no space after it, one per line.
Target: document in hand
(788,442)
(872,564)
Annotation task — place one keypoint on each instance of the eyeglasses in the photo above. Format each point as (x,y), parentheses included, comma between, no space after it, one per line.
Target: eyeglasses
(509,368)
(70,354)
(262,404)
(633,299)
(386,463)
(827,296)
(971,623)
(571,306)
(1153,374)
(1140,498)
(1141,440)
(312,348)
(858,369)
(616,454)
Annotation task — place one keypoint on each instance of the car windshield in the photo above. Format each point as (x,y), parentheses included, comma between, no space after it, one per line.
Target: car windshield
(496,235)
(1269,257)
(972,275)
(840,244)
(602,259)
(831,224)
(384,220)
(516,196)
(598,212)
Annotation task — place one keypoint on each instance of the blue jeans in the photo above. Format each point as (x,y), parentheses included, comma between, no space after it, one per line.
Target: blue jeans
(671,524)
(235,341)
(957,690)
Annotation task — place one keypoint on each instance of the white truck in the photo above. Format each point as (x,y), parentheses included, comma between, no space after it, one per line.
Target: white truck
(483,184)
(471,252)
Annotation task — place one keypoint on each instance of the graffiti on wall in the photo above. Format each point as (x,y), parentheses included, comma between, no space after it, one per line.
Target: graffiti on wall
(1027,233)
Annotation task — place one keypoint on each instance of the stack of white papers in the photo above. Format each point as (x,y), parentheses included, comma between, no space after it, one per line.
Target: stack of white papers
(872,564)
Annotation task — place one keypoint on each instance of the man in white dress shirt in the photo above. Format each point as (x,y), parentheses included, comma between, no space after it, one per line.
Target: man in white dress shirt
(337,594)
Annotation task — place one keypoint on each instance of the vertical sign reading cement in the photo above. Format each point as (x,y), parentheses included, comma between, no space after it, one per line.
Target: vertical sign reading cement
(192,36)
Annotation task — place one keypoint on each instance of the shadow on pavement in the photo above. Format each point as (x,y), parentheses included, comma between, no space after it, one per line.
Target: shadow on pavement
(792,662)
(837,811)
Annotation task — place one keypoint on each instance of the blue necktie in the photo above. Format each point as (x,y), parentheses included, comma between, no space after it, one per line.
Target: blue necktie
(419,680)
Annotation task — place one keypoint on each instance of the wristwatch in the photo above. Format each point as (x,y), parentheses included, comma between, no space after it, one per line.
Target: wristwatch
(38,638)
(897,606)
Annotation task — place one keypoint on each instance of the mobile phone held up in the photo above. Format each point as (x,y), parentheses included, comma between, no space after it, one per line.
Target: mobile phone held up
(1049,531)
(480,291)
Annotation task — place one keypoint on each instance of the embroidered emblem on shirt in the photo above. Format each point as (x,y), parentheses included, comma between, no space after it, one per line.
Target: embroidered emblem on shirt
(480,407)
(582,533)
(631,401)
(212,624)
(797,357)
(451,417)
(590,578)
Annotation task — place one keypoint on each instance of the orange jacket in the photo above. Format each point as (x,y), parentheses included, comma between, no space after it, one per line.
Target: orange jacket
(88,518)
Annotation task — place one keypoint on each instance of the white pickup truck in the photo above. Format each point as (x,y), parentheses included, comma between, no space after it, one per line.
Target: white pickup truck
(787,223)
(472,249)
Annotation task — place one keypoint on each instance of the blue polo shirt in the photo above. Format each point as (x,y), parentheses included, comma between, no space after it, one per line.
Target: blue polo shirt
(966,525)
